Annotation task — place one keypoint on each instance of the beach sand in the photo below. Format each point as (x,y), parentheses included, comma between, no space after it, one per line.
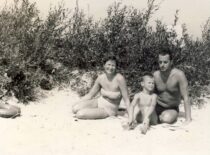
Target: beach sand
(47,127)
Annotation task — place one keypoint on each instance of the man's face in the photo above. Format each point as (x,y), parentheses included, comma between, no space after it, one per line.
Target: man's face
(110,67)
(164,62)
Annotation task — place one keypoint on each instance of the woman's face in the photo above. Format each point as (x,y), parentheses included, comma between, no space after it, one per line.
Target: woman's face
(110,67)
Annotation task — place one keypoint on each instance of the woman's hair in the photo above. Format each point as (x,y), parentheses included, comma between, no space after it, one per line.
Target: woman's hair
(110,57)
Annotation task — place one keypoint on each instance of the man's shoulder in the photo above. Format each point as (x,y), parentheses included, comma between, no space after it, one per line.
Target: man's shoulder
(177,72)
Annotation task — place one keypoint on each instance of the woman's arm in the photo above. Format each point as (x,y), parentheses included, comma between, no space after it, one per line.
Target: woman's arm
(93,91)
(124,91)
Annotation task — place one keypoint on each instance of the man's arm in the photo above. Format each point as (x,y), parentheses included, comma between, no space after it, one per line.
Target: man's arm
(183,85)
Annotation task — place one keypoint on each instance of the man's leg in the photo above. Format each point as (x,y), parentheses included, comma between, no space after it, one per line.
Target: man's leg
(92,113)
(168,116)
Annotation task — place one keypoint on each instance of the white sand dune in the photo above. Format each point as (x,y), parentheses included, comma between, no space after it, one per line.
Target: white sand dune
(48,127)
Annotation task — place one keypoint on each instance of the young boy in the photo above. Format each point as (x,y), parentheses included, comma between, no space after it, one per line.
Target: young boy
(143,105)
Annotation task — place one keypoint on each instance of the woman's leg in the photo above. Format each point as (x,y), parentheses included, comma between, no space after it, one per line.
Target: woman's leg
(9,111)
(84,104)
(92,113)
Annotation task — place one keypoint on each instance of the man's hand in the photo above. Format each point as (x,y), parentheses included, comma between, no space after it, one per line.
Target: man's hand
(186,122)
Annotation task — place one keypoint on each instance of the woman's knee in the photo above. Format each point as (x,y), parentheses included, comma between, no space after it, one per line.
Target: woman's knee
(75,109)
(9,113)
(80,114)
(168,117)
(16,109)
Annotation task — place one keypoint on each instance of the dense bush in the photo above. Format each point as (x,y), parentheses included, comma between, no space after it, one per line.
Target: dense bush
(45,51)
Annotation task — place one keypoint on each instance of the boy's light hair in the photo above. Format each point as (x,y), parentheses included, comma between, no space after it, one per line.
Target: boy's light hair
(149,74)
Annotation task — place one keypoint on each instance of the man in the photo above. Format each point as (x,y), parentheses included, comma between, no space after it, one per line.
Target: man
(171,87)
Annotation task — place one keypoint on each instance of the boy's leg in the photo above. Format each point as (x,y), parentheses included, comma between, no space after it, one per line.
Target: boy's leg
(137,114)
(84,104)
(153,118)
(92,113)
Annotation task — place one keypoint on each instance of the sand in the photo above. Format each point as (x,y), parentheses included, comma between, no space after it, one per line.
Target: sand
(47,127)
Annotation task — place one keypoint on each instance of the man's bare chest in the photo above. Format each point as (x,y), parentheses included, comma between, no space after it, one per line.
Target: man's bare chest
(170,84)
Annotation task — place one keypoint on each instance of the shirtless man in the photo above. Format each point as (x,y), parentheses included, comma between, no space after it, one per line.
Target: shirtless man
(143,104)
(171,87)
(112,87)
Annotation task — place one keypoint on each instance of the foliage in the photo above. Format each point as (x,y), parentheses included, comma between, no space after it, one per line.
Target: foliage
(45,51)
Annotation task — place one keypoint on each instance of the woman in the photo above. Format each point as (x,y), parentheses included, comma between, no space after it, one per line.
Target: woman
(112,87)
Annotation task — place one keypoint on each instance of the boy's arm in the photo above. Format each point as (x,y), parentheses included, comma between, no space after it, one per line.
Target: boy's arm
(131,109)
(150,109)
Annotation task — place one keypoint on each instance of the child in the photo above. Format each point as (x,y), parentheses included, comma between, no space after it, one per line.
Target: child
(143,105)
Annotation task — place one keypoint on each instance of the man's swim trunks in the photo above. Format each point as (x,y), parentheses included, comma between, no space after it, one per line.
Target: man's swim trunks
(159,109)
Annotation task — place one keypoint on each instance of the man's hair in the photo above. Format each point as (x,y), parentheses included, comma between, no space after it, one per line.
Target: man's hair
(110,57)
(166,51)
(148,74)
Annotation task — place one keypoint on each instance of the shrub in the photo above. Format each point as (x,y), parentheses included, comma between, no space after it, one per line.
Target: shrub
(68,40)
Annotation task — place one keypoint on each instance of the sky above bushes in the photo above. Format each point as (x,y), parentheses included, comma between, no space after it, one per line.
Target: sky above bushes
(194,13)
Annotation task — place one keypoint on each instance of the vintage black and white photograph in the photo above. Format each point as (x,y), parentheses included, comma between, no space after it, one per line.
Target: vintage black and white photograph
(104,77)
